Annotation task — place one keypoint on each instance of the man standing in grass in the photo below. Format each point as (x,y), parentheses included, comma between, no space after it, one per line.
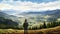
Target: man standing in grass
(25,25)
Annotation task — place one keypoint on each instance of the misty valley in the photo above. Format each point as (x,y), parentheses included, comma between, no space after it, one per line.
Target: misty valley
(36,20)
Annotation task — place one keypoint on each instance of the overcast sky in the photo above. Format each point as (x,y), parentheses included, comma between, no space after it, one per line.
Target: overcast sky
(29,5)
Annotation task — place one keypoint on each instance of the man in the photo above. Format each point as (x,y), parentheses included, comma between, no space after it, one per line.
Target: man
(25,25)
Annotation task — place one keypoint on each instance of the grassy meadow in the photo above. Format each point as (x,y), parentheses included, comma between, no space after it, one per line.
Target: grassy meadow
(55,30)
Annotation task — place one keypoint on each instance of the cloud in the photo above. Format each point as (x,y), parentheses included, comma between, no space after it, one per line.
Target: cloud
(29,6)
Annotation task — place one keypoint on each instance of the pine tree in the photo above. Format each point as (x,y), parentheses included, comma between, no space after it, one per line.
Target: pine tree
(40,26)
(44,25)
(48,25)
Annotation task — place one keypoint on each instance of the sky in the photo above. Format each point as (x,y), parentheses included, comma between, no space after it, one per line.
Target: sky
(28,5)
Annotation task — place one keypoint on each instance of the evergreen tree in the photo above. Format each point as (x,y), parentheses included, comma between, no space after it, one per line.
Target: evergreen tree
(44,25)
(48,25)
(40,26)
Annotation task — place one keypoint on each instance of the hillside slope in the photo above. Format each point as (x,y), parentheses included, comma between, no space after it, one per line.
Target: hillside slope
(55,30)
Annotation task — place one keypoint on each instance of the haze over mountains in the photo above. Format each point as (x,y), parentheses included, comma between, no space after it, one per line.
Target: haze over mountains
(55,13)
(43,12)
(33,17)
(48,12)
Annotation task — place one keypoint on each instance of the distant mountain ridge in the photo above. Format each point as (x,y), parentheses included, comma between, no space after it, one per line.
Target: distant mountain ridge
(3,14)
(49,12)
(7,16)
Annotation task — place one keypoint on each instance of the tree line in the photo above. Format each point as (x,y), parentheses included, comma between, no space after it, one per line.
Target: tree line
(46,25)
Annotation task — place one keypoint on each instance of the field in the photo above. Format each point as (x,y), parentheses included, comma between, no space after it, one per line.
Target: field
(55,30)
